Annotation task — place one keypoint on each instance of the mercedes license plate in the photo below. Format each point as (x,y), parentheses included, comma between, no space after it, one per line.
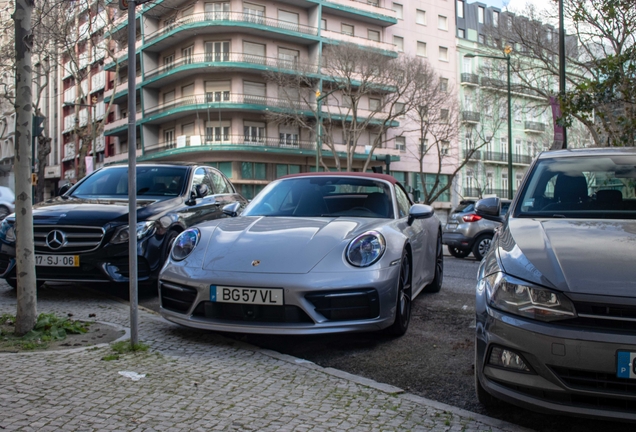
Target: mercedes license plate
(626,364)
(241,295)
(57,260)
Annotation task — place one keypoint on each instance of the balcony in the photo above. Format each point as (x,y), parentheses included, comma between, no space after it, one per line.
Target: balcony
(534,127)
(212,19)
(228,142)
(493,82)
(235,59)
(475,155)
(371,10)
(98,81)
(367,43)
(470,116)
(472,192)
(69,95)
(491,156)
(469,79)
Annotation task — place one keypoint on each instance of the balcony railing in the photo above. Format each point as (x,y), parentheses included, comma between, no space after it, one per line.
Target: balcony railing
(531,126)
(493,82)
(234,57)
(231,140)
(472,192)
(212,18)
(216,100)
(367,5)
(469,78)
(470,116)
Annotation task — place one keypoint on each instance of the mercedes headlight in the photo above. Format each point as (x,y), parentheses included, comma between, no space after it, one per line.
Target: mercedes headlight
(144,229)
(185,244)
(520,298)
(366,249)
(7,231)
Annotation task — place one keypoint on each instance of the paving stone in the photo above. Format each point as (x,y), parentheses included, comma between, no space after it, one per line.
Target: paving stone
(196,380)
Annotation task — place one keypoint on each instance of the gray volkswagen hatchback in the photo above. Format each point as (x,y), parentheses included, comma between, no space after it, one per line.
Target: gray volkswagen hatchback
(556,293)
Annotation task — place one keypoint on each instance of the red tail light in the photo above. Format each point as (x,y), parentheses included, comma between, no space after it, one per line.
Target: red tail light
(471,218)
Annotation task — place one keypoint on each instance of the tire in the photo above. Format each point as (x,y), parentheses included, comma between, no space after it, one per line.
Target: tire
(457,253)
(4,212)
(436,284)
(403,302)
(481,246)
(167,246)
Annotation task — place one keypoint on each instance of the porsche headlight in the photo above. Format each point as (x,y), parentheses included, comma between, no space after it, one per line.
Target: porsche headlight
(185,244)
(366,249)
(7,231)
(144,229)
(517,297)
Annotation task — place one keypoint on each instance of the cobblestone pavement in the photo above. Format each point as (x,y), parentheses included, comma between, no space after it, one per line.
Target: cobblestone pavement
(196,380)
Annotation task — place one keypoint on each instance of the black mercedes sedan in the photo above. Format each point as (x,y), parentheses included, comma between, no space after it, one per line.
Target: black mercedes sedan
(82,235)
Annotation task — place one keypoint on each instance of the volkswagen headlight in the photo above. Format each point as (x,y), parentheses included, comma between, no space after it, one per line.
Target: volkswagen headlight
(521,298)
(185,244)
(7,231)
(366,249)
(144,229)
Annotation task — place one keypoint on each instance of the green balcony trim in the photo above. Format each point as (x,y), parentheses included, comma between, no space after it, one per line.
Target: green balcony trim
(352,10)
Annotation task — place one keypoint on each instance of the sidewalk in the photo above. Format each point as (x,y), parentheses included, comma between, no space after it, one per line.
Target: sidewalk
(196,380)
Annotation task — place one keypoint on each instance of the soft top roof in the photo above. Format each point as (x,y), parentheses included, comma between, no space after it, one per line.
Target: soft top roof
(377,176)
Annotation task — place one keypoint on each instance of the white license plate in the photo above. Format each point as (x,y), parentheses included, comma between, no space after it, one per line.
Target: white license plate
(57,260)
(255,296)
(626,364)
(451,226)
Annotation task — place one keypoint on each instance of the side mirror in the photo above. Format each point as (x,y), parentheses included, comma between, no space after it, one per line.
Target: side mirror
(420,211)
(232,209)
(201,190)
(489,208)
(64,189)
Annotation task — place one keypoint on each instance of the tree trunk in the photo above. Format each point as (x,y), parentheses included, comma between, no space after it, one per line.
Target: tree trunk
(44,149)
(25,259)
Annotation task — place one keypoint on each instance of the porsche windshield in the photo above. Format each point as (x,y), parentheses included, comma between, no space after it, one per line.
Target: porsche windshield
(155,181)
(324,197)
(581,187)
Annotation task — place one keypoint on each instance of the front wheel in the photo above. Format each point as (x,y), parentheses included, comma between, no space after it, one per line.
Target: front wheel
(404,293)
(436,283)
(481,246)
(458,253)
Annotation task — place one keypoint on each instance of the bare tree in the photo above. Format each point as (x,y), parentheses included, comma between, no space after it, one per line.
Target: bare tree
(25,258)
(601,33)
(357,91)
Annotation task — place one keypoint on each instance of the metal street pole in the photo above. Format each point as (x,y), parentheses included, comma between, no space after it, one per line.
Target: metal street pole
(132,175)
(562,65)
(509,132)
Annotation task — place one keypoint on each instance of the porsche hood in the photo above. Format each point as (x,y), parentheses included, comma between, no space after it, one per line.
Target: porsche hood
(577,255)
(277,245)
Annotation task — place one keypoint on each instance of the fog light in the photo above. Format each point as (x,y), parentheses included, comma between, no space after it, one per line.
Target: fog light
(507,359)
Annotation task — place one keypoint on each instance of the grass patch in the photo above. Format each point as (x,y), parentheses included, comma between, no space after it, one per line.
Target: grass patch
(124,347)
(48,328)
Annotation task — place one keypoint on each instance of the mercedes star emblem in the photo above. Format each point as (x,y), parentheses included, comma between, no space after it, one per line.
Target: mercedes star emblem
(55,239)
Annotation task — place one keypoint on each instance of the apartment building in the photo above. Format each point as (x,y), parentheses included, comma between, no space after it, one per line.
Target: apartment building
(484,100)
(201,94)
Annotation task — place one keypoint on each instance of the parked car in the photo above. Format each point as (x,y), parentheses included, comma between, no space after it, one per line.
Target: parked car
(467,232)
(82,235)
(312,253)
(7,202)
(556,294)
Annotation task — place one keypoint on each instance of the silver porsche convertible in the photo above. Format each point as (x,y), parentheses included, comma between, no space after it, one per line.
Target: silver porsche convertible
(312,253)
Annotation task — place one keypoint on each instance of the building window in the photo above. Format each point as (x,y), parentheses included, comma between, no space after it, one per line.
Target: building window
(217,91)
(443,115)
(217,51)
(495,19)
(373,35)
(217,11)
(517,114)
(518,147)
(518,179)
(399,108)
(254,132)
(420,17)
(253,171)
(421,49)
(398,10)
(482,39)
(374,104)
(461,33)
(283,170)
(254,13)
(460,9)
(168,62)
(323,24)
(168,138)
(443,53)
(445,148)
(254,92)
(187,90)
(400,143)
(443,85)
(480,14)
(504,181)
(187,54)
(217,131)
(442,22)
(346,29)
(398,41)
(224,167)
